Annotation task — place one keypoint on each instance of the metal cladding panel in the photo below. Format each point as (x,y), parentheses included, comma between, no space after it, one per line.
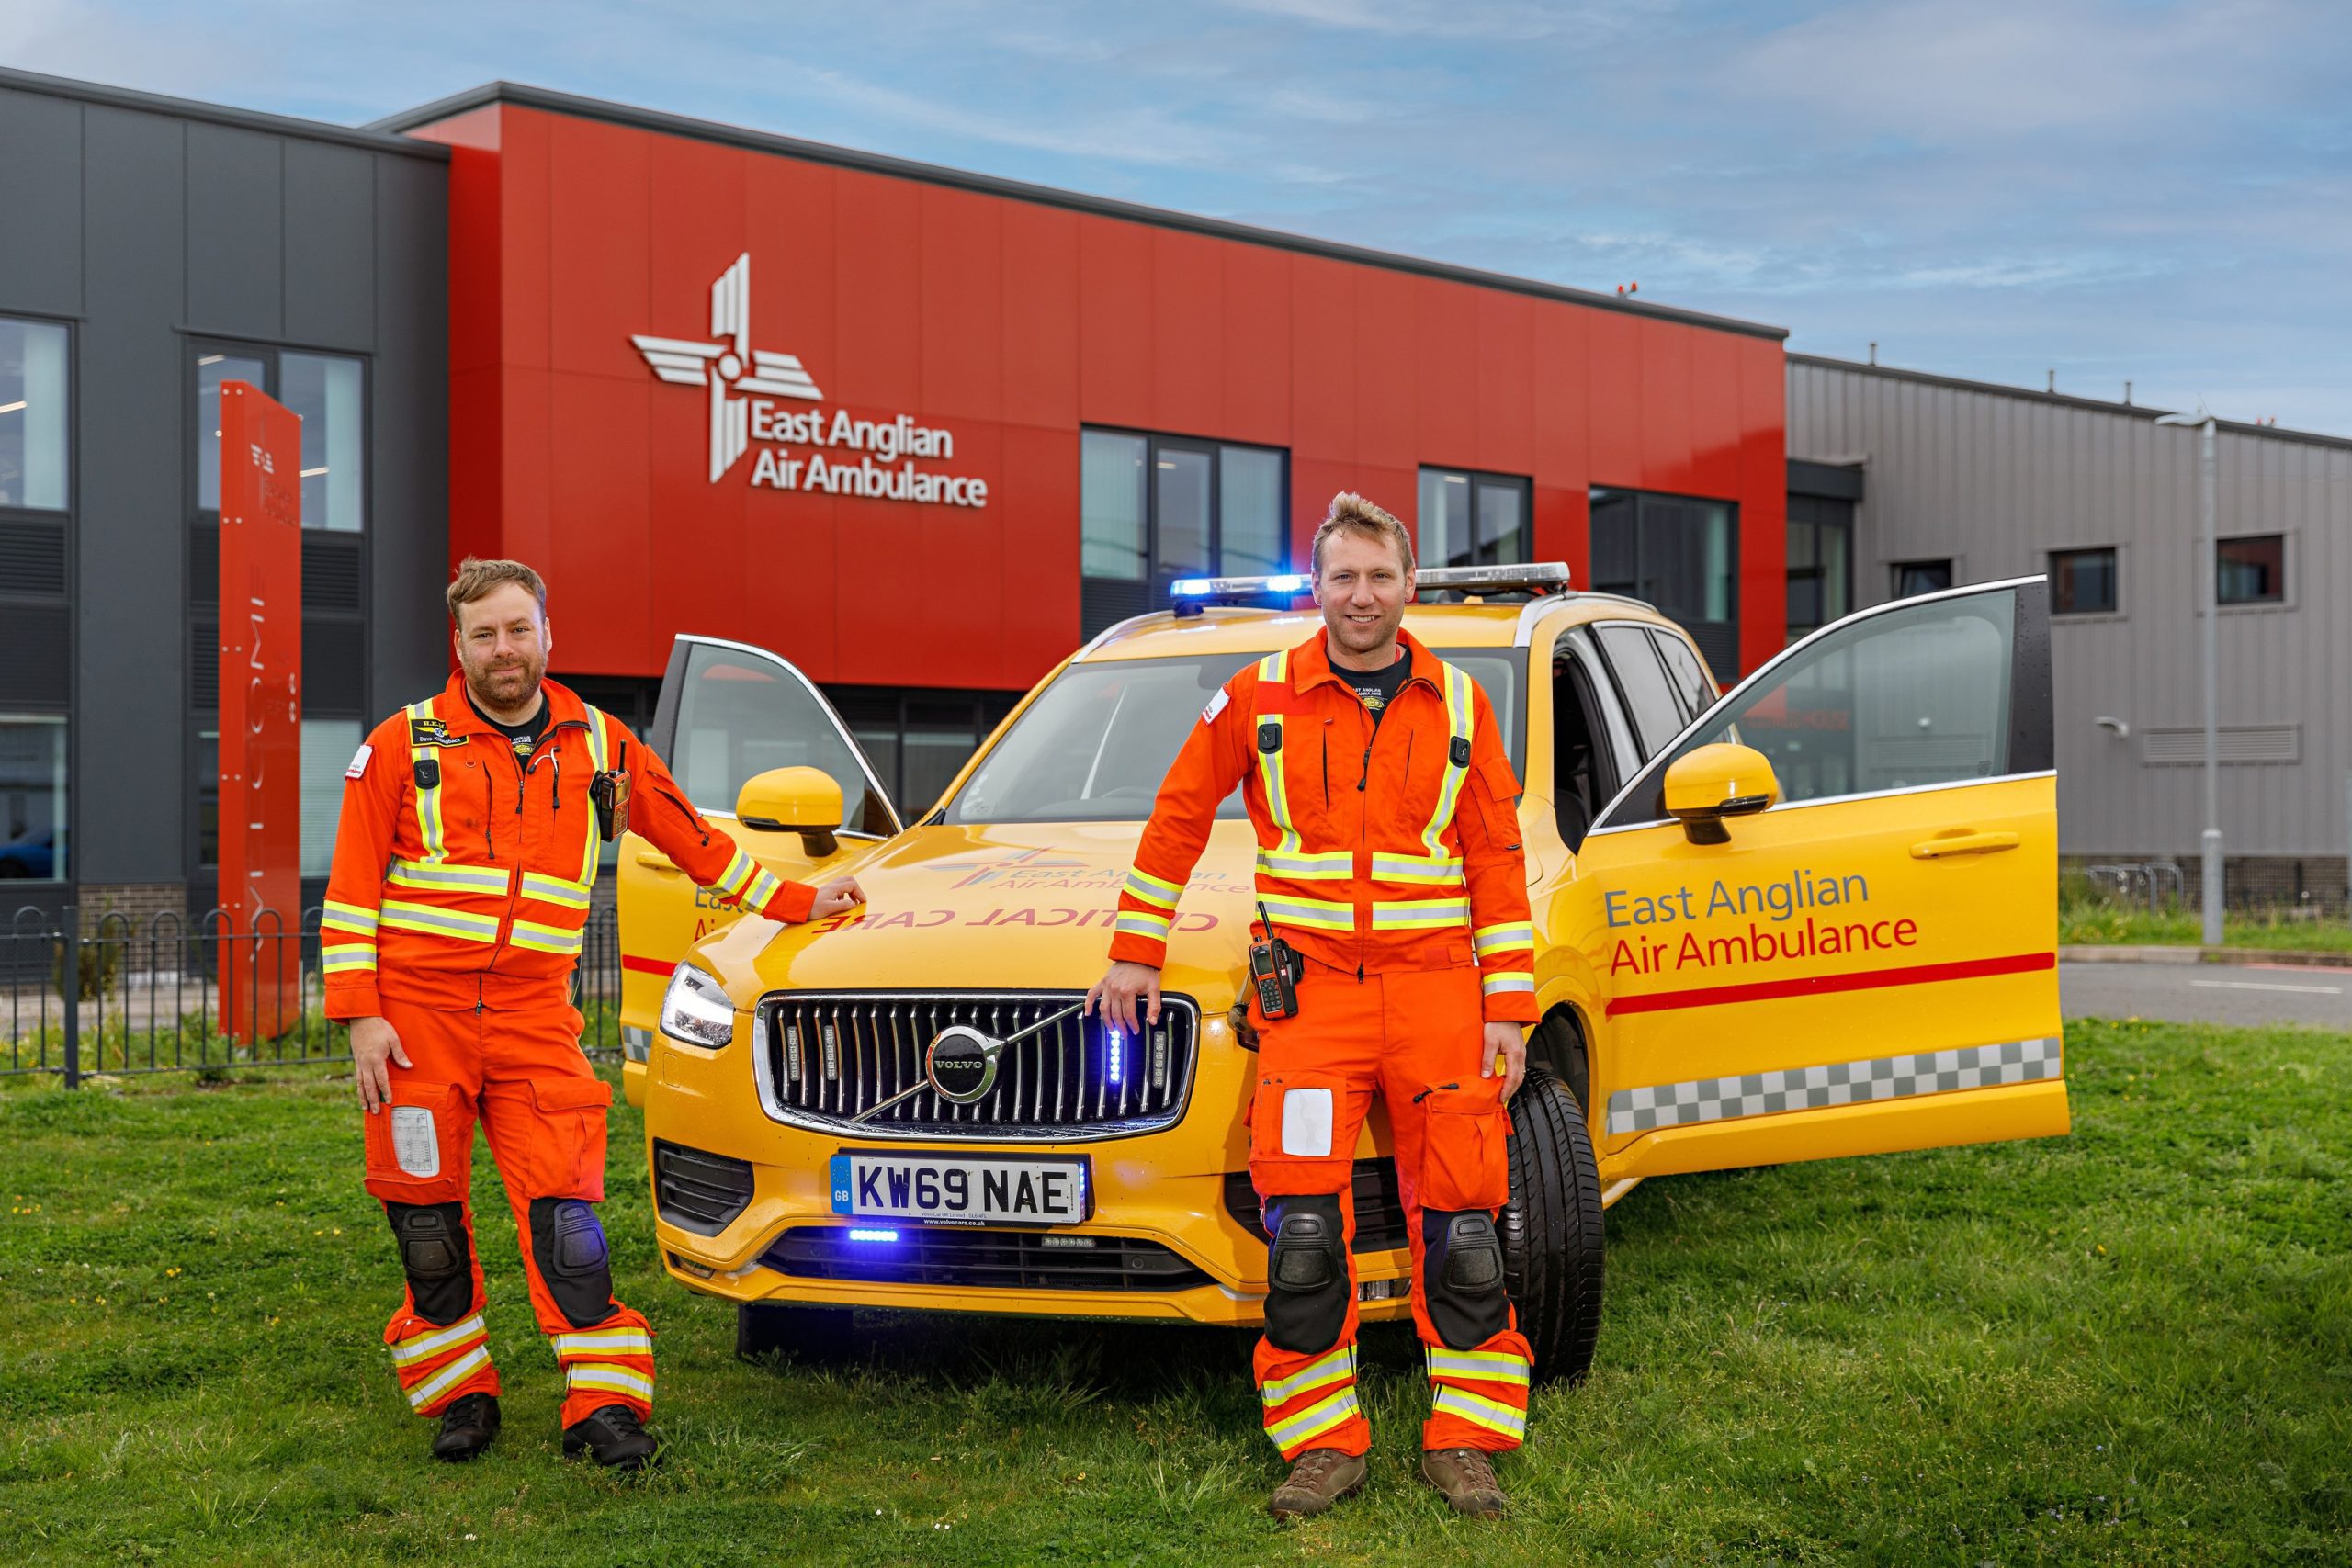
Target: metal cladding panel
(40,194)
(331,250)
(408,538)
(1996,478)
(236,214)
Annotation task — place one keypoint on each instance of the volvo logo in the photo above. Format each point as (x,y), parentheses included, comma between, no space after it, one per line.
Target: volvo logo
(961,1063)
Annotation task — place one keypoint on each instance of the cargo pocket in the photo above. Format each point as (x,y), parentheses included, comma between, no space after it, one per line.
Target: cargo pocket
(1294,1135)
(1464,1162)
(407,1140)
(571,1160)
(1498,803)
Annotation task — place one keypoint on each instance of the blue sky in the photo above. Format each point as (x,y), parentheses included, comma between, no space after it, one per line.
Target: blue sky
(2110,188)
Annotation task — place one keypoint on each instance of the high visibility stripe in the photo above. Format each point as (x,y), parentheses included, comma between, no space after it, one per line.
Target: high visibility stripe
(439,922)
(418,1346)
(1419,914)
(1321,865)
(545,938)
(556,889)
(449,1377)
(764,888)
(458,878)
(344,959)
(1151,890)
(740,877)
(430,830)
(599,746)
(1458,716)
(611,1341)
(603,1374)
(1136,922)
(1503,938)
(352,918)
(1437,869)
(1323,914)
(1479,1410)
(1487,1366)
(1503,980)
(1316,1420)
(1270,776)
(1340,1363)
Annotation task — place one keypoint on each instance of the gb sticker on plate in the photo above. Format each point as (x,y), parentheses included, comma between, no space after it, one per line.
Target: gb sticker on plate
(414,1147)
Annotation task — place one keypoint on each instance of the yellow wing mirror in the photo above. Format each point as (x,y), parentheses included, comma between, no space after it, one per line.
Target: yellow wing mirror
(1706,785)
(795,800)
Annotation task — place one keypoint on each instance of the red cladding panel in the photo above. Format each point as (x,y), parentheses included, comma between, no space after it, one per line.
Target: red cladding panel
(1442,375)
(1256,335)
(963,290)
(1115,322)
(1038,331)
(1322,366)
(1187,334)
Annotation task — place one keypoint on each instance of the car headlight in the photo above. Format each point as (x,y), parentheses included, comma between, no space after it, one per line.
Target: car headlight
(696,1010)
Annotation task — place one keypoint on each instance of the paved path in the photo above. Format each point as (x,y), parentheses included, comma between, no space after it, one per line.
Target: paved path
(2208,993)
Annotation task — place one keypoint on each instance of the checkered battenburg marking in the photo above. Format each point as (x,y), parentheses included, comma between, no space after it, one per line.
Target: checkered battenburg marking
(1839,1083)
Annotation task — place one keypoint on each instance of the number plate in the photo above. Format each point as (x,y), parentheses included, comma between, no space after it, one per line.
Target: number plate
(960,1189)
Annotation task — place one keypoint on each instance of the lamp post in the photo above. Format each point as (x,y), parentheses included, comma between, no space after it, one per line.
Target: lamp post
(2208,598)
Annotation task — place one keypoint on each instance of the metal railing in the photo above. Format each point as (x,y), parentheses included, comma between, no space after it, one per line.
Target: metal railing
(167,992)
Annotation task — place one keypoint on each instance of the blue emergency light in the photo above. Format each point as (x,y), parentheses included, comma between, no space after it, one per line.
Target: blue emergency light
(859,1234)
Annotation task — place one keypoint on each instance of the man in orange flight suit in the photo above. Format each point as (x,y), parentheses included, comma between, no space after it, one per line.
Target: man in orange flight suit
(1389,859)
(463,862)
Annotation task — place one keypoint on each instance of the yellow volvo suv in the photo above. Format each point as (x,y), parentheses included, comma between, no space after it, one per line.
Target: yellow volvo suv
(1815,917)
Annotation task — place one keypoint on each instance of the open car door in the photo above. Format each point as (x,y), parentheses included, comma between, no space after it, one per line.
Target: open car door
(729,712)
(1869,963)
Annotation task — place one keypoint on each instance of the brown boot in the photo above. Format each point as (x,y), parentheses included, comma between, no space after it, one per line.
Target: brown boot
(1320,1478)
(1466,1476)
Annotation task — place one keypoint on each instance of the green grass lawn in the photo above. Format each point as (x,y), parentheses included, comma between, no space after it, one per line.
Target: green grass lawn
(2132,1345)
(2096,924)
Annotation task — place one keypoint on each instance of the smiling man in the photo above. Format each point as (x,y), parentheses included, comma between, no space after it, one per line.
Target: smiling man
(463,863)
(1389,861)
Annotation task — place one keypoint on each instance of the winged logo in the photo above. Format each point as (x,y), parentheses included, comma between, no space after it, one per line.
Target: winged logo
(730,368)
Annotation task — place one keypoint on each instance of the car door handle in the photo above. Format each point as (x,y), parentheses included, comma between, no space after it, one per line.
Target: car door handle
(1962,842)
(656,859)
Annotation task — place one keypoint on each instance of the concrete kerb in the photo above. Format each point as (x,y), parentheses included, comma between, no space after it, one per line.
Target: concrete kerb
(2281,957)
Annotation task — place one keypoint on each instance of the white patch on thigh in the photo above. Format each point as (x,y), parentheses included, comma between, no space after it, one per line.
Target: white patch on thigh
(1307,1122)
(414,1144)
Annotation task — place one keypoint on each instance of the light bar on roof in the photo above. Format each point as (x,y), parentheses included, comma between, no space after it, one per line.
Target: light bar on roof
(1237,587)
(1532,574)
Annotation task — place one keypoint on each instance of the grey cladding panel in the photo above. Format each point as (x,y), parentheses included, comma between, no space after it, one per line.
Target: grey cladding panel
(408,531)
(40,203)
(235,209)
(330,245)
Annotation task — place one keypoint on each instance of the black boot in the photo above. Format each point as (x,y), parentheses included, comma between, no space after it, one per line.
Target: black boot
(466,1427)
(612,1435)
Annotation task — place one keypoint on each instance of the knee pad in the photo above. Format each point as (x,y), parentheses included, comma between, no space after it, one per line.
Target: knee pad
(1462,1278)
(1306,1270)
(437,1257)
(568,1245)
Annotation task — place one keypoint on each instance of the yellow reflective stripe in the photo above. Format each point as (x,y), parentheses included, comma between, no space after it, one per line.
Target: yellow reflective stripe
(1491,1365)
(1136,922)
(740,870)
(1418,868)
(430,830)
(1152,890)
(599,746)
(439,922)
(1316,1420)
(459,878)
(1320,866)
(555,890)
(1324,914)
(545,938)
(449,1377)
(613,1341)
(1502,980)
(341,917)
(417,1346)
(763,887)
(1276,668)
(343,960)
(1270,777)
(1503,938)
(1492,1415)
(1458,712)
(601,1375)
(1415,914)
(1340,1363)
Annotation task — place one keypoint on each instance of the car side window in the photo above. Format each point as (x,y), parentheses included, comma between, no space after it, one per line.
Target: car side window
(741,713)
(1642,680)
(1682,667)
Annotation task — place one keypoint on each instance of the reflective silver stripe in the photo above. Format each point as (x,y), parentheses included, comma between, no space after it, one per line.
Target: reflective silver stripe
(418,1346)
(1134,922)
(599,746)
(1160,895)
(430,832)
(1503,980)
(440,922)
(764,887)
(1416,914)
(1490,1366)
(1340,1363)
(612,1341)
(544,939)
(339,960)
(1324,914)
(1490,1414)
(1459,713)
(1320,865)
(1316,1419)
(352,918)
(1418,868)
(449,1377)
(1834,1083)
(601,1375)
(556,889)
(464,878)
(1503,938)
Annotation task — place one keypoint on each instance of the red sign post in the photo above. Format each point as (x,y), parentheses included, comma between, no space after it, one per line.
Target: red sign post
(261,714)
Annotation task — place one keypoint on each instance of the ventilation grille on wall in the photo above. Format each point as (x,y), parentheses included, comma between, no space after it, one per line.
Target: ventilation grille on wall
(35,654)
(2238,743)
(32,558)
(329,573)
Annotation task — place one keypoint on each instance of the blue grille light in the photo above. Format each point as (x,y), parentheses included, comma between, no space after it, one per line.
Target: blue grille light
(863,1234)
(1115,1055)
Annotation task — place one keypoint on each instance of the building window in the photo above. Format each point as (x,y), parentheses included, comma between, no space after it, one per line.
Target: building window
(32,798)
(2251,570)
(1677,553)
(328,392)
(32,415)
(1154,508)
(918,741)
(1913,577)
(328,746)
(1473,519)
(1821,577)
(2083,582)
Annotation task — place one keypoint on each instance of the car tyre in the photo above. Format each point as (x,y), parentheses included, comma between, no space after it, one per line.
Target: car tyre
(770,1328)
(1552,1228)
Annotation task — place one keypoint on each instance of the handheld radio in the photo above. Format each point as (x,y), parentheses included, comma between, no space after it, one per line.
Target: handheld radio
(609,791)
(1274,970)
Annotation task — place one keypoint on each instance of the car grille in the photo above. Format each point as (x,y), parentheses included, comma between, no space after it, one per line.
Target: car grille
(982,1259)
(1380,1205)
(824,1058)
(700,1191)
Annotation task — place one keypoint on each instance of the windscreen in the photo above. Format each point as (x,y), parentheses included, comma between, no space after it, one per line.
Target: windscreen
(1095,744)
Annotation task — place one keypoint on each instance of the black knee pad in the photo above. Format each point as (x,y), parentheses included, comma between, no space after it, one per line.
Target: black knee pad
(1462,1276)
(437,1257)
(1306,1267)
(568,1247)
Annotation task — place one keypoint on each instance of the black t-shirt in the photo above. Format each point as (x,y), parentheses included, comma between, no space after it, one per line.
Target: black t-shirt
(522,736)
(1379,688)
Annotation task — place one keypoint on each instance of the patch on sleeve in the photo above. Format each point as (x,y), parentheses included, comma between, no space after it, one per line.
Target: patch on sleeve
(1216,706)
(359,761)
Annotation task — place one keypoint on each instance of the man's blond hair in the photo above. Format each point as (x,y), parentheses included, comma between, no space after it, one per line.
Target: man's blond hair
(476,577)
(1351,513)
